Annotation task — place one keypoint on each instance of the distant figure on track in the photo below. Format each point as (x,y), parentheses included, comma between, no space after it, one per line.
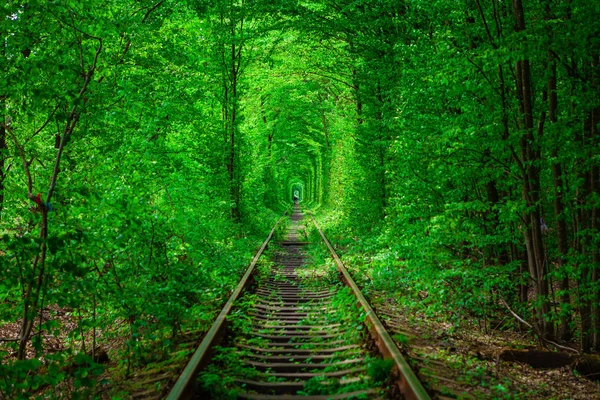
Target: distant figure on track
(295,198)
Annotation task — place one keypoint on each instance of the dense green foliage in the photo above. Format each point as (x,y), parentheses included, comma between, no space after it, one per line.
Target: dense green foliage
(146,147)
(114,118)
(473,155)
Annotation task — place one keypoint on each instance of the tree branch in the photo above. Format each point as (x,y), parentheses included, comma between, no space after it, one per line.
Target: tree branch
(534,328)
(43,125)
(71,122)
(484,75)
(154,7)
(485,24)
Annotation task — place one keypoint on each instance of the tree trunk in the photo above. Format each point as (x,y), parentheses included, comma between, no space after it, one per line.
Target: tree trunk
(356,91)
(231,55)
(324,121)
(530,157)
(32,294)
(3,149)
(595,222)
(231,166)
(588,221)
(564,331)
(382,150)
(595,191)
(584,243)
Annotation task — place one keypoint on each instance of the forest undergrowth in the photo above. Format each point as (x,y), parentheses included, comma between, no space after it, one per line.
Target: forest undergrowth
(460,325)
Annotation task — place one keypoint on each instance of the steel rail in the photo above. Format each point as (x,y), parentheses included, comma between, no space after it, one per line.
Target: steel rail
(406,380)
(185,383)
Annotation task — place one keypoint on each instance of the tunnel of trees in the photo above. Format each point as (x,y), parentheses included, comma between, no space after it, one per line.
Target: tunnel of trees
(147,147)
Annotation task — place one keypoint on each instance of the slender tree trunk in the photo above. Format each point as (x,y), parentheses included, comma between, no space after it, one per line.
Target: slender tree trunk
(588,219)
(32,295)
(564,330)
(3,146)
(356,91)
(595,303)
(232,167)
(382,150)
(523,288)
(358,100)
(3,149)
(530,157)
(324,121)
(583,225)
(595,190)
(232,22)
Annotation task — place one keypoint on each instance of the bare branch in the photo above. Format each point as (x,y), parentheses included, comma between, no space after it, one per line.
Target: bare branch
(79,45)
(154,7)
(482,72)
(535,329)
(485,24)
(43,125)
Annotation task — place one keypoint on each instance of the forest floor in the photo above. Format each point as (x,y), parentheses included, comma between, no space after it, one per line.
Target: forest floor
(61,317)
(461,361)
(453,361)
(464,363)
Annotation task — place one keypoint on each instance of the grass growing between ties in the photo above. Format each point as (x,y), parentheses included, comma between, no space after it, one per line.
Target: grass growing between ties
(218,379)
(320,271)
(335,321)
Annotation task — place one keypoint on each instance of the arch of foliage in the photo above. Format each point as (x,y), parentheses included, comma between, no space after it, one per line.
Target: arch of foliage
(147,146)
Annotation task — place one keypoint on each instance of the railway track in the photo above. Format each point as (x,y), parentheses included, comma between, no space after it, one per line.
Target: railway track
(282,335)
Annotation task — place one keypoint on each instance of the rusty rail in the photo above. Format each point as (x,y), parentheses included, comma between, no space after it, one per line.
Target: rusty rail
(185,383)
(405,378)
